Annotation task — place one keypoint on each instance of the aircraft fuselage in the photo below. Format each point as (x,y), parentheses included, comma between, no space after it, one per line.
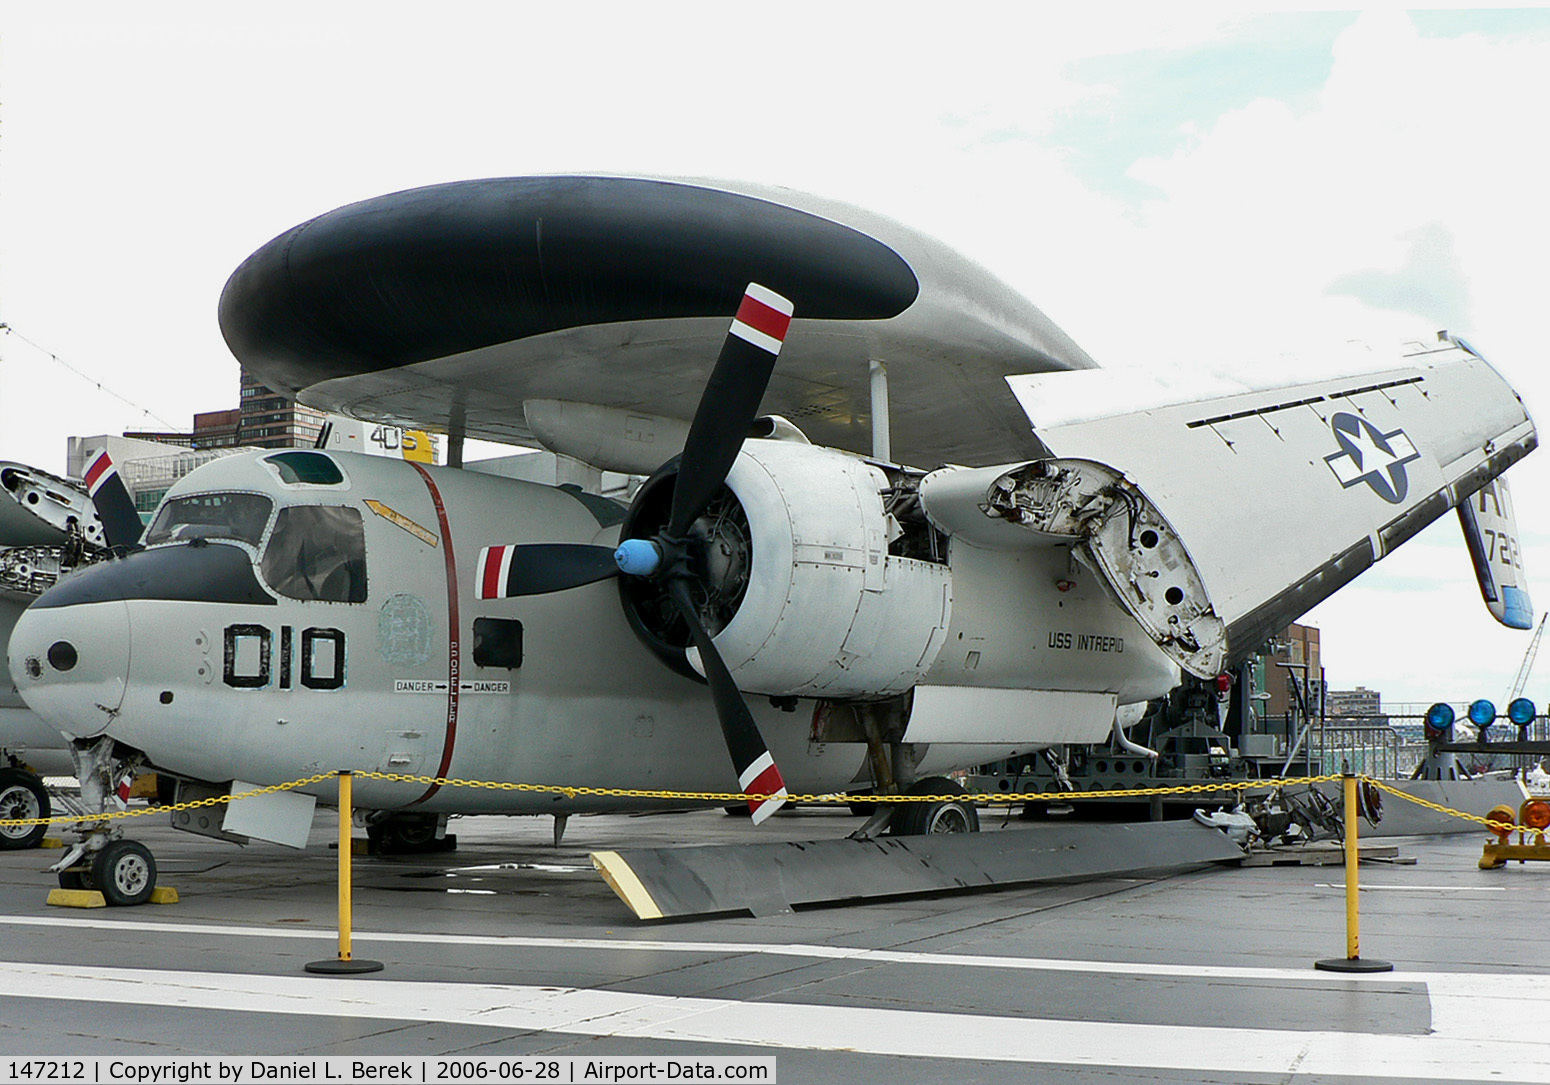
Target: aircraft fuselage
(285,621)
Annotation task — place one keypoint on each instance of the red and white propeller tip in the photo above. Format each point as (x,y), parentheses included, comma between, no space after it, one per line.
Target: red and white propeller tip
(763,318)
(763,778)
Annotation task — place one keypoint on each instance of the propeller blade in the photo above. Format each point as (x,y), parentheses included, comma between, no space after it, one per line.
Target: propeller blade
(756,771)
(121,524)
(730,402)
(539,568)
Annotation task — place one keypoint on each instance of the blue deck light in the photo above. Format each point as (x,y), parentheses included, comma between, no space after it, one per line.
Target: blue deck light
(1438,720)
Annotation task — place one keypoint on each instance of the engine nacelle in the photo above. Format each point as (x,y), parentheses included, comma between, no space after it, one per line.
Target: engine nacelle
(827,610)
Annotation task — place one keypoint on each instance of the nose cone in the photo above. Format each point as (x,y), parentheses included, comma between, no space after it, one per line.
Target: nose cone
(70,664)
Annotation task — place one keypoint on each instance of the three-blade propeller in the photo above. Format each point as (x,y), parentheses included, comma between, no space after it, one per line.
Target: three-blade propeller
(726,410)
(121,526)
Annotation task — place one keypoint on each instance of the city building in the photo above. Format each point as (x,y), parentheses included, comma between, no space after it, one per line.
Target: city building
(1292,655)
(217,429)
(271,420)
(1360,705)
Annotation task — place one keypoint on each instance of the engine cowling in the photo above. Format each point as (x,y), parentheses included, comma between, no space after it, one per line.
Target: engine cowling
(799,590)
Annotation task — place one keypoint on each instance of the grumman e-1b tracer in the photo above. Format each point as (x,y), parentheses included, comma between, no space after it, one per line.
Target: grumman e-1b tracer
(902,526)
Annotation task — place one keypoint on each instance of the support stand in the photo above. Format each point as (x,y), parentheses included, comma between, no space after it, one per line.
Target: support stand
(344,964)
(1352,961)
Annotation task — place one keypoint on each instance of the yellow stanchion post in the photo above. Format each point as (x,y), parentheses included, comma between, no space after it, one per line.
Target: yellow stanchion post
(1352,961)
(344,964)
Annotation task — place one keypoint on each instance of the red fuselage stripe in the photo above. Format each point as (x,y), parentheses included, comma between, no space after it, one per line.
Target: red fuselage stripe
(454,659)
(493,560)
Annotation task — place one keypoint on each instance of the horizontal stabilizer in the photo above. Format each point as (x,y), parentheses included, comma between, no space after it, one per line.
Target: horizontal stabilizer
(1216,523)
(1491,531)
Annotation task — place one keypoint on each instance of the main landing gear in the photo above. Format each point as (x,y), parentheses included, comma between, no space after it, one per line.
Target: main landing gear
(922,818)
(409,834)
(893,770)
(123,871)
(22,796)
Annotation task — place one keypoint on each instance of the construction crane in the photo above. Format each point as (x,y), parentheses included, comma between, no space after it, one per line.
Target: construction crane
(1528,661)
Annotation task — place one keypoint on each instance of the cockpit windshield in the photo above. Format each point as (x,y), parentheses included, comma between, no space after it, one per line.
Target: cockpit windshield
(211,516)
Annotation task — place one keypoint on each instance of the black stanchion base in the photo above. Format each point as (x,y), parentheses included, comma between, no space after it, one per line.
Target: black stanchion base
(337,967)
(1353,964)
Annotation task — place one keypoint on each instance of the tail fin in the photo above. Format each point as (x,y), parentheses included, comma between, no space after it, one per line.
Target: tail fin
(1491,531)
(121,525)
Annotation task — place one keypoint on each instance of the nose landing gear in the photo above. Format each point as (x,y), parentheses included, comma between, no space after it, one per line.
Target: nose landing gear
(123,871)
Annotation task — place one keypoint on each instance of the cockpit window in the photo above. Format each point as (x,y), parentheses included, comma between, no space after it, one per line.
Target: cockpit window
(211,516)
(317,552)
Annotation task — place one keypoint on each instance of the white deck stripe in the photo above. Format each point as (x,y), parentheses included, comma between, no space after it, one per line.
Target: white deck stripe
(368,937)
(1480,1005)
(1366,1056)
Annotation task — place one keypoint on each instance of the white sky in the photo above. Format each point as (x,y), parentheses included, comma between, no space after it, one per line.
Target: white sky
(1173,184)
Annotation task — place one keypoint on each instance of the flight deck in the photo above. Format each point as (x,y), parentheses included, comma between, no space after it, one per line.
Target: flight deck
(513,946)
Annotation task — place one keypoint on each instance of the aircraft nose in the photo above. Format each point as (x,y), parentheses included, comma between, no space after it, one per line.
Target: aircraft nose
(70,664)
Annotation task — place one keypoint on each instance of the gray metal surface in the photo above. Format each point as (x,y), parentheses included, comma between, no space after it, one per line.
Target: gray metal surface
(1403,818)
(511,946)
(768,878)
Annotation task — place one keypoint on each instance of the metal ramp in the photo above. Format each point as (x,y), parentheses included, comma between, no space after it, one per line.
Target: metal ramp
(767,879)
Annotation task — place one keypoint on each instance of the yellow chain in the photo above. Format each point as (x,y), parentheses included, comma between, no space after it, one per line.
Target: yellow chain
(571,792)
(214,800)
(1494,826)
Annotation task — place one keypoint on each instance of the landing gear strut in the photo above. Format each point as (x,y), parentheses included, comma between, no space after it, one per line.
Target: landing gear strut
(123,871)
(893,769)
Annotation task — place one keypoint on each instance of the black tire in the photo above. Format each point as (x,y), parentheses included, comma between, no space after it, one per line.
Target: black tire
(1369,800)
(407,834)
(22,795)
(923,818)
(124,873)
(76,877)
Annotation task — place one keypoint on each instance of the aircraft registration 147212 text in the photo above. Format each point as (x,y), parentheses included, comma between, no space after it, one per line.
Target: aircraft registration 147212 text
(153,1070)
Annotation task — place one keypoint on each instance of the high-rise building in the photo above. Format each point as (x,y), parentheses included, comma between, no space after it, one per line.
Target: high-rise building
(271,420)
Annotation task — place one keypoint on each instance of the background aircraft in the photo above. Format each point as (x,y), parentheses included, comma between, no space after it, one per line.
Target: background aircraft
(944,540)
(48,526)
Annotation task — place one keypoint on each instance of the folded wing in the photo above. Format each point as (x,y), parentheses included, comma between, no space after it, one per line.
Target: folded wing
(1215,522)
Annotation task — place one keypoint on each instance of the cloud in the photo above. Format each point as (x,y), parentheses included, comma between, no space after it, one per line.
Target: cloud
(1431,283)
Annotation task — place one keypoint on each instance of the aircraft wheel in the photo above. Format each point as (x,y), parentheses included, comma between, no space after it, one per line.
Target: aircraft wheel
(76,877)
(408,834)
(22,795)
(921,818)
(124,873)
